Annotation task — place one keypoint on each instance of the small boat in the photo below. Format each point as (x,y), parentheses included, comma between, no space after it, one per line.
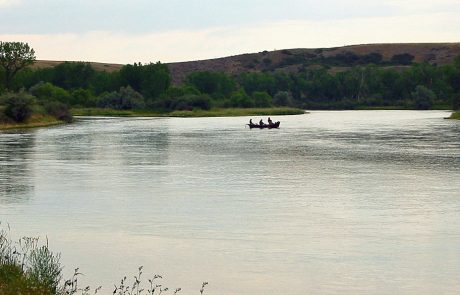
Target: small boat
(269,126)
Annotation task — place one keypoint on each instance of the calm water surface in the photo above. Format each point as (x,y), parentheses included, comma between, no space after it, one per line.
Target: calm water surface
(353,202)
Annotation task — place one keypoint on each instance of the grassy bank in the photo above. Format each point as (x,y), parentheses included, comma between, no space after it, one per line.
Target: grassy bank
(234,112)
(33,122)
(455,115)
(230,112)
(441,107)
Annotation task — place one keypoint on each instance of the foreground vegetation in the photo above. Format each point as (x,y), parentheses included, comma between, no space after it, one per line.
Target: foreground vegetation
(30,267)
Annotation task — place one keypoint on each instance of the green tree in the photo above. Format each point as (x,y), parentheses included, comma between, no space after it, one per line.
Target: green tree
(241,99)
(14,56)
(82,97)
(73,75)
(423,97)
(219,85)
(150,80)
(262,99)
(125,99)
(456,102)
(255,81)
(48,92)
(283,98)
(58,110)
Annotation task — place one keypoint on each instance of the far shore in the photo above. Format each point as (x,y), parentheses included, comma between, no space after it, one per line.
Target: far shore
(47,121)
(229,112)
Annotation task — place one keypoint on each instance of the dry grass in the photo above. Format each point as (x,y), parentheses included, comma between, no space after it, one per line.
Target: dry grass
(33,122)
(439,53)
(43,64)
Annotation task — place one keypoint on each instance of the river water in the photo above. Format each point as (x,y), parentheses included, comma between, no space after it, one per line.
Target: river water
(350,202)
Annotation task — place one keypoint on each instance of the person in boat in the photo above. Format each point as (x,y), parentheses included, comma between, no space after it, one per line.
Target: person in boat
(261,123)
(250,122)
(270,122)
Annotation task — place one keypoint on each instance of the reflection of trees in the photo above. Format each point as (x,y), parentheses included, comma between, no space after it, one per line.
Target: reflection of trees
(113,144)
(145,148)
(15,172)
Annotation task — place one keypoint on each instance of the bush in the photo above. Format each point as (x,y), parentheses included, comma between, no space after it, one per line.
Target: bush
(82,97)
(28,268)
(48,92)
(402,59)
(190,102)
(423,97)
(18,106)
(125,99)
(59,110)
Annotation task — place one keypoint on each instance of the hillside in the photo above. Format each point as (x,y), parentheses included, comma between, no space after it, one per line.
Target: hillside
(293,60)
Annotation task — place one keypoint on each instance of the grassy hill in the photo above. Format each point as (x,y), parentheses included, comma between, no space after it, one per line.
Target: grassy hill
(294,60)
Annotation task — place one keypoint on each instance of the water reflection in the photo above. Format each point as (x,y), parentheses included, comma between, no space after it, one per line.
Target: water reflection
(368,194)
(16,163)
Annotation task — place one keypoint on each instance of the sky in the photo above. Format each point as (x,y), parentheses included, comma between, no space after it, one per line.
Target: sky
(116,31)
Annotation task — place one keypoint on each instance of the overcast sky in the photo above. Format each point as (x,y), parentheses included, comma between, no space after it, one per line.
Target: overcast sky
(180,30)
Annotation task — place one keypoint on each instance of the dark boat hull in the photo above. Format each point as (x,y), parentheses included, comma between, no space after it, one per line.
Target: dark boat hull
(266,126)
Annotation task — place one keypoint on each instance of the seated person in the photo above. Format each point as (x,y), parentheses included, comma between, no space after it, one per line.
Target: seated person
(261,123)
(270,121)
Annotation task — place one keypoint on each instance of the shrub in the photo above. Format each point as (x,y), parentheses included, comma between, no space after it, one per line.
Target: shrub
(402,59)
(190,102)
(267,61)
(28,268)
(125,99)
(18,106)
(48,92)
(45,267)
(59,110)
(82,97)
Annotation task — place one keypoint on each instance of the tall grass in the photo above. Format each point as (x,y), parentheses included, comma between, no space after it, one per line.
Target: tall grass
(29,267)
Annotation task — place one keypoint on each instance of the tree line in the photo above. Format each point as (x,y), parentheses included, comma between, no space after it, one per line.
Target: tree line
(149,86)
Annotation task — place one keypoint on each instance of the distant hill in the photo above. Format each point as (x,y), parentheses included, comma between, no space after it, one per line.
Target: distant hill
(294,60)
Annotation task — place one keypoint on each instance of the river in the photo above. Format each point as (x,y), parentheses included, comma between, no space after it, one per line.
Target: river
(346,202)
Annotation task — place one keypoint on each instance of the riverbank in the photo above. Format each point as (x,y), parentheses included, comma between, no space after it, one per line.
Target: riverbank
(455,115)
(230,112)
(34,122)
